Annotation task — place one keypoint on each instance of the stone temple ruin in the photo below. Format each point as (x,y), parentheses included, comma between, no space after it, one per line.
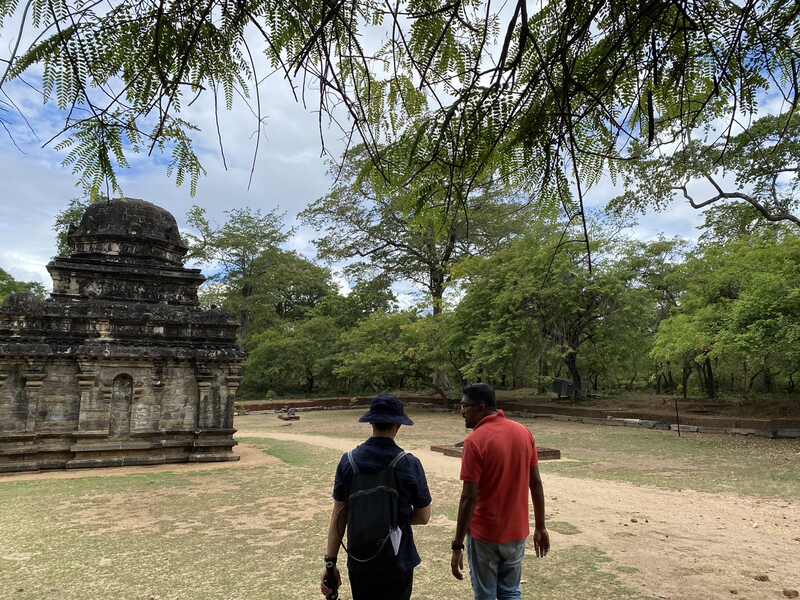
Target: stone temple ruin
(120,366)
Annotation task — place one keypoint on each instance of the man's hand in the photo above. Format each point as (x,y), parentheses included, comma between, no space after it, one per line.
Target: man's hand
(466,506)
(331,580)
(457,564)
(541,542)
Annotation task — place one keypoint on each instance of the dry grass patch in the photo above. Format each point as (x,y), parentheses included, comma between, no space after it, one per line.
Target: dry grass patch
(258,530)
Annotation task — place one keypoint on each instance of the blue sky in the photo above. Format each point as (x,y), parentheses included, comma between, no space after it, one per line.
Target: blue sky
(289,174)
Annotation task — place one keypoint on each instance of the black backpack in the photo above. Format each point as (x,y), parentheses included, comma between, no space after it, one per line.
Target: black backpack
(372,509)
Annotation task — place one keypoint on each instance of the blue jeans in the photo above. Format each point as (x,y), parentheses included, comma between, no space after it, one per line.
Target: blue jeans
(495,569)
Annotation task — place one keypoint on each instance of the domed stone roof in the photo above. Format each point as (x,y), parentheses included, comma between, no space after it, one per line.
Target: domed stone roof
(126,218)
(128,230)
(125,250)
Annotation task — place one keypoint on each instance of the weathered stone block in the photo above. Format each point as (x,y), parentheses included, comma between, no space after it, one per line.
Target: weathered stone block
(787,433)
(686,428)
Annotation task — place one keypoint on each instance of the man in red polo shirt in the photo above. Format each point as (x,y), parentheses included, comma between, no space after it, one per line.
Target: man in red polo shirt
(499,468)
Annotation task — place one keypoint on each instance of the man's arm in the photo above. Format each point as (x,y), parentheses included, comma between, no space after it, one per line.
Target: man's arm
(541,539)
(421,516)
(466,506)
(420,495)
(336,528)
(331,579)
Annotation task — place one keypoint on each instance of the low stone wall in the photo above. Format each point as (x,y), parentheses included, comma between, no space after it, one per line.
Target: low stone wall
(770,431)
(721,421)
(335,402)
(691,423)
(458,452)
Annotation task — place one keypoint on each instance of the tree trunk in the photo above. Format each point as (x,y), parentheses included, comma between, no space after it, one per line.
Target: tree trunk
(439,378)
(309,382)
(711,385)
(701,374)
(540,379)
(746,391)
(571,361)
(670,381)
(752,380)
(768,380)
(687,372)
(632,381)
(437,291)
(244,314)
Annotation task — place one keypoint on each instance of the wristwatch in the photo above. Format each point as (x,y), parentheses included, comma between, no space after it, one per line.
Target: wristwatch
(457,546)
(330,562)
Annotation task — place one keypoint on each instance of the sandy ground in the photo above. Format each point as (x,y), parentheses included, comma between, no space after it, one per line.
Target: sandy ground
(685,544)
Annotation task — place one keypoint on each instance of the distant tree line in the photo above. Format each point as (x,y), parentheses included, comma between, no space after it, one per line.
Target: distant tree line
(9,285)
(720,317)
(517,307)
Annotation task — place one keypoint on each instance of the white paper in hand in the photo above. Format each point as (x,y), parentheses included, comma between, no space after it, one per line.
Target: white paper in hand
(395,535)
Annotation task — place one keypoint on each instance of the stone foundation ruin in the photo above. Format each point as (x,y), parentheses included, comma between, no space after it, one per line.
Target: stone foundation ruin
(120,366)
(457,450)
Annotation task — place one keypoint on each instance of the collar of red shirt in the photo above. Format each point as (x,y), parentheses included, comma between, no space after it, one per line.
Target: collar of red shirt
(493,417)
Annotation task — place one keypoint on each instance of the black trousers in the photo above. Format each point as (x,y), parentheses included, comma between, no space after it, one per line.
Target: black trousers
(381,584)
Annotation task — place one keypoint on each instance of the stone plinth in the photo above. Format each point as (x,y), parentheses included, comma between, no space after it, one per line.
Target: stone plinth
(120,366)
(457,450)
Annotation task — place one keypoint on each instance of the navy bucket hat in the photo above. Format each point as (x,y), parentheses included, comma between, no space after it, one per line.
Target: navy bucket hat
(386,409)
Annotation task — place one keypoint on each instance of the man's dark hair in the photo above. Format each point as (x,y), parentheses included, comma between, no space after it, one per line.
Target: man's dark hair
(383,427)
(480,393)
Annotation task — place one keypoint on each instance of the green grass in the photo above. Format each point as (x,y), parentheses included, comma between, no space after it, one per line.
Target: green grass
(292,453)
(563,527)
(714,463)
(255,532)
(259,531)
(711,463)
(235,533)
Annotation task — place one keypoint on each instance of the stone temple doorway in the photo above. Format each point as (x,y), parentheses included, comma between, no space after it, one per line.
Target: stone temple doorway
(121,400)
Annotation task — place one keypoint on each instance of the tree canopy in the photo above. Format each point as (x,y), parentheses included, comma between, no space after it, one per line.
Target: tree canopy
(717,318)
(548,98)
(9,285)
(412,232)
(242,251)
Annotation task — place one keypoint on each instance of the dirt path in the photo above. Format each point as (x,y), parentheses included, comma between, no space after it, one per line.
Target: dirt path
(685,544)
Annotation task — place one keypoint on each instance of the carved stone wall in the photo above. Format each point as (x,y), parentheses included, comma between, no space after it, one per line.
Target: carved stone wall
(13,404)
(120,366)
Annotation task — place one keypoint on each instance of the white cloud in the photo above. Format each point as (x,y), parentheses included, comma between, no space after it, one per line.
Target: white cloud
(341,283)
(32,191)
(289,173)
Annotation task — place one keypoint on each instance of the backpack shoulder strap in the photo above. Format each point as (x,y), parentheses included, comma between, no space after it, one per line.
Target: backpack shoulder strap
(397,459)
(352,462)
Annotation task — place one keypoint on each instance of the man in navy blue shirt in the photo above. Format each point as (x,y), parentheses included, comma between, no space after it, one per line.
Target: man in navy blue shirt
(376,582)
